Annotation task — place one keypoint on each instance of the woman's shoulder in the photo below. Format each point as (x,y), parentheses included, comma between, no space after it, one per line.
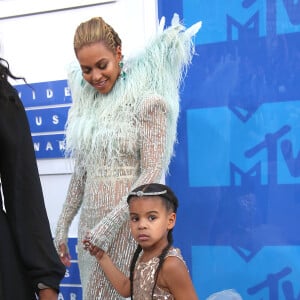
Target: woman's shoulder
(151,102)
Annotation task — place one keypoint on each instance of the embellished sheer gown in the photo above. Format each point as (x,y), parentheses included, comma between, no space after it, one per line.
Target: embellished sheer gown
(119,141)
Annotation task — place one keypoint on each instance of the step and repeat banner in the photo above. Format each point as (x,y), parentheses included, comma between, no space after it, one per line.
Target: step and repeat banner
(236,168)
(47,105)
(237,164)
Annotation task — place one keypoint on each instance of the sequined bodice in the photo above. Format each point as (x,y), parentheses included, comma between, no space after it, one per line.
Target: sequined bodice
(144,279)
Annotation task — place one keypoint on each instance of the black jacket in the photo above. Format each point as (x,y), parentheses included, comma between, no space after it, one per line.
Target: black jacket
(27,253)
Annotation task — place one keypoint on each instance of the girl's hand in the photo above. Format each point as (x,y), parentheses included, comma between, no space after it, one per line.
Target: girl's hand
(94,250)
(64,255)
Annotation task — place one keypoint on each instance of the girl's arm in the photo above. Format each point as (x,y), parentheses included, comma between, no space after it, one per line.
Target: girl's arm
(119,281)
(175,277)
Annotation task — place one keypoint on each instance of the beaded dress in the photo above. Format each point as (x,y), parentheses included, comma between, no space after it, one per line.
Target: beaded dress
(144,279)
(119,141)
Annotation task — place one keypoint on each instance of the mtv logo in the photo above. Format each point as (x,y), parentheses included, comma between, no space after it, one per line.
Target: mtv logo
(239,177)
(223,150)
(235,19)
(288,16)
(271,274)
(236,30)
(226,20)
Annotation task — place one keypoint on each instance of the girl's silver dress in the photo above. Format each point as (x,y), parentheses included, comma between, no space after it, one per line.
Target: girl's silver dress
(144,275)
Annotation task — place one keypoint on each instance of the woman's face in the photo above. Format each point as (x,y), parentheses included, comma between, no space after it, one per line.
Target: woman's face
(100,66)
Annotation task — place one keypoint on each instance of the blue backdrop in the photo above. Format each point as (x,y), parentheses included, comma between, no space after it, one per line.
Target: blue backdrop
(237,165)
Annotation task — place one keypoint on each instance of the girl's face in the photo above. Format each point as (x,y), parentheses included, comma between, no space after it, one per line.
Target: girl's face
(100,66)
(150,221)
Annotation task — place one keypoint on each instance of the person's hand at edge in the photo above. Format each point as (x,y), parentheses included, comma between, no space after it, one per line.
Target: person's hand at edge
(64,255)
(48,294)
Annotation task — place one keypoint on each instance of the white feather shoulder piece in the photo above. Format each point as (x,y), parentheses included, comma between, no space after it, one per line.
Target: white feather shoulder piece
(97,123)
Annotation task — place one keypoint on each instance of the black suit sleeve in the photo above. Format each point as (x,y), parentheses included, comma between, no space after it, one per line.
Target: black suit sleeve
(23,198)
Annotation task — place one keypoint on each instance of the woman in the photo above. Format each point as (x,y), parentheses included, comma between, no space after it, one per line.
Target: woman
(120,132)
(29,264)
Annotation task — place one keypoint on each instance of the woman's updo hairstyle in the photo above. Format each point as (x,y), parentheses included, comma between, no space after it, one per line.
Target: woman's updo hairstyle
(96,30)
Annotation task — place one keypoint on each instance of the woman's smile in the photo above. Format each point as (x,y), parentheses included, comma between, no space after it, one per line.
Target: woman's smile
(99,85)
(100,66)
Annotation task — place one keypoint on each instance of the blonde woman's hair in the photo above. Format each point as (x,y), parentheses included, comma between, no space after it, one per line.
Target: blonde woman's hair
(96,30)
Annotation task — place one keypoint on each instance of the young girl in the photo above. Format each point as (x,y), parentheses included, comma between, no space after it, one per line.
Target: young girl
(157,269)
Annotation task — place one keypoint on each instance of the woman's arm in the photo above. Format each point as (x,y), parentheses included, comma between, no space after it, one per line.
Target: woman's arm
(152,131)
(70,208)
(153,141)
(77,184)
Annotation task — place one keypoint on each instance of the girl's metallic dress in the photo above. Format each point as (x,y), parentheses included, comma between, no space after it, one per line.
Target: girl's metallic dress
(119,141)
(144,279)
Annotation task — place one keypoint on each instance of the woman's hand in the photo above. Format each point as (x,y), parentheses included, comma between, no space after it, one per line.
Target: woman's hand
(64,255)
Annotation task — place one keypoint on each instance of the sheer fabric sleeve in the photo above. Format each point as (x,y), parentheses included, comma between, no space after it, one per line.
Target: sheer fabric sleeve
(70,209)
(153,130)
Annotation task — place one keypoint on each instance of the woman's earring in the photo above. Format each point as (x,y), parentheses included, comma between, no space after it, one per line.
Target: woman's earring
(122,73)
